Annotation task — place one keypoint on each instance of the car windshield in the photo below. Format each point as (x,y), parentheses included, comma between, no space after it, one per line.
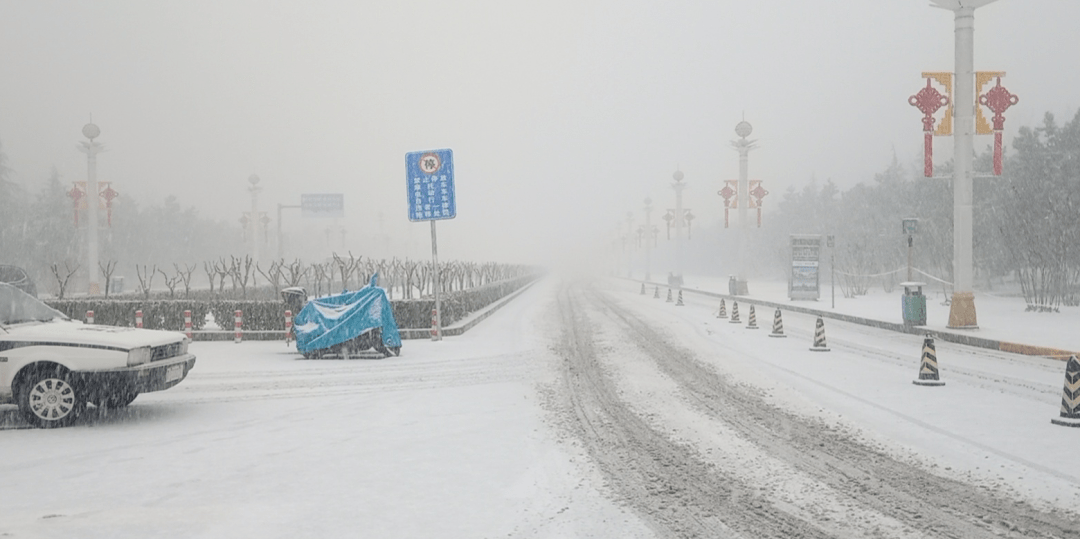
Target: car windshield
(17,306)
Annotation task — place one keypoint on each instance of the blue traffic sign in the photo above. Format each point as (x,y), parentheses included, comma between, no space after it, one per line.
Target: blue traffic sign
(429,177)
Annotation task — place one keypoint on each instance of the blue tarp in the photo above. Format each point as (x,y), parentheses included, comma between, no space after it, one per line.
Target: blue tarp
(331,320)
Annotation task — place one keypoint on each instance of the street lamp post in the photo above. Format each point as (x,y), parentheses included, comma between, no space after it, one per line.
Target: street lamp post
(962,307)
(254,221)
(648,235)
(91,149)
(742,200)
(680,219)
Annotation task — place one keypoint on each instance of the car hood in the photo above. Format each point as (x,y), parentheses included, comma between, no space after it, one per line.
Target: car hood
(75,332)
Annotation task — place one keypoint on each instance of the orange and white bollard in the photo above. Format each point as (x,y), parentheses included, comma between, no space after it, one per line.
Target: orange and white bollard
(89,317)
(187,324)
(138,318)
(238,335)
(288,327)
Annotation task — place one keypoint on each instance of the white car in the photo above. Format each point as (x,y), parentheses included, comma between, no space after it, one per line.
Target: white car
(52,366)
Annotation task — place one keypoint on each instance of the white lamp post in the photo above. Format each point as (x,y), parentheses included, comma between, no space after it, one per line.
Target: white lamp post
(679,217)
(91,149)
(742,200)
(648,234)
(962,308)
(254,218)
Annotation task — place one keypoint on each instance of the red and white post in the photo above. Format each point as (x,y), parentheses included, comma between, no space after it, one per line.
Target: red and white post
(288,327)
(89,317)
(138,318)
(187,323)
(434,324)
(238,336)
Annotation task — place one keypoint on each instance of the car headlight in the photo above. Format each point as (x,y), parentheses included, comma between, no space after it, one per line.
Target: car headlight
(184,346)
(138,356)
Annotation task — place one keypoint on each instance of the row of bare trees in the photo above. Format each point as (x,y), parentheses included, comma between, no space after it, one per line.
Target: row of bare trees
(238,276)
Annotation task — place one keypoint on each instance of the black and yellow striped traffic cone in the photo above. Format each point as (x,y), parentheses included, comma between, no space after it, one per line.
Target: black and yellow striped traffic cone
(734,313)
(679,303)
(668,296)
(656,293)
(928,369)
(642,289)
(723,310)
(819,337)
(752,323)
(777,326)
(1070,399)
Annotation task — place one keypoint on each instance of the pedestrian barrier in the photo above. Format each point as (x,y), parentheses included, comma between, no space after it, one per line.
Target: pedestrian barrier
(669,295)
(642,289)
(138,318)
(89,317)
(734,313)
(752,322)
(656,293)
(723,310)
(928,367)
(187,324)
(679,303)
(1070,399)
(777,326)
(238,332)
(434,325)
(819,337)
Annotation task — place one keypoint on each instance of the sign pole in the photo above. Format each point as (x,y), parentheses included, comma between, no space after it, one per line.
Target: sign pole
(437,283)
(429,180)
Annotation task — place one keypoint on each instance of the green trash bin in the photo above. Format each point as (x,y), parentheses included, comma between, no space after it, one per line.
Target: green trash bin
(913,304)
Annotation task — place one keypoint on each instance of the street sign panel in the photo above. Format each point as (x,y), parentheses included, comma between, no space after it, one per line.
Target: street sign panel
(429,178)
(322,205)
(805,251)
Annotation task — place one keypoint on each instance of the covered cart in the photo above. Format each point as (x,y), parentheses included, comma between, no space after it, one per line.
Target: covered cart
(345,324)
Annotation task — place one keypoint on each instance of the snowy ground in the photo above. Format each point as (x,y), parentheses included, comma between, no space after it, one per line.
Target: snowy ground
(578,410)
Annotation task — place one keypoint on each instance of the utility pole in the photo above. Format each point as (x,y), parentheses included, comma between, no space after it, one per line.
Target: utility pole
(962,307)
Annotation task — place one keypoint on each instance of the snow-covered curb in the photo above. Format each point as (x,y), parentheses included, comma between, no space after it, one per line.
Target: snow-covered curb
(948,336)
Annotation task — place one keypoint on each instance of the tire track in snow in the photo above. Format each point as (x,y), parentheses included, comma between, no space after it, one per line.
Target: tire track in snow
(667,483)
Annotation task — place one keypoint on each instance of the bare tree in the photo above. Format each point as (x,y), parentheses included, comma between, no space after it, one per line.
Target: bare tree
(273,275)
(241,271)
(107,270)
(146,279)
(185,276)
(210,270)
(62,282)
(171,281)
(297,270)
(221,269)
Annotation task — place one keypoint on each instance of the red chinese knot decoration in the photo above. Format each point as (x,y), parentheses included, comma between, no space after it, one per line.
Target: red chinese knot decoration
(731,200)
(998,99)
(928,101)
(75,193)
(728,192)
(756,194)
(78,194)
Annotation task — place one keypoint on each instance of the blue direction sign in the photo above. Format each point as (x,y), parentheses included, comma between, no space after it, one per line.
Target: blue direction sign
(430,182)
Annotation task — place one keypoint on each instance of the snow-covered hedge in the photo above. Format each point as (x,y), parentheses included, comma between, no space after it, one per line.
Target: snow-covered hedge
(270,315)
(157,314)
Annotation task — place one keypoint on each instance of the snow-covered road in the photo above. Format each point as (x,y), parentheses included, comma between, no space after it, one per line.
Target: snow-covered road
(581,409)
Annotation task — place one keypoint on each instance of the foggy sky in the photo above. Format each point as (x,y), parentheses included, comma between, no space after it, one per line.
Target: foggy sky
(563,115)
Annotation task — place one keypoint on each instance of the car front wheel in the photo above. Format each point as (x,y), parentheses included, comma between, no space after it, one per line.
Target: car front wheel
(48,399)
